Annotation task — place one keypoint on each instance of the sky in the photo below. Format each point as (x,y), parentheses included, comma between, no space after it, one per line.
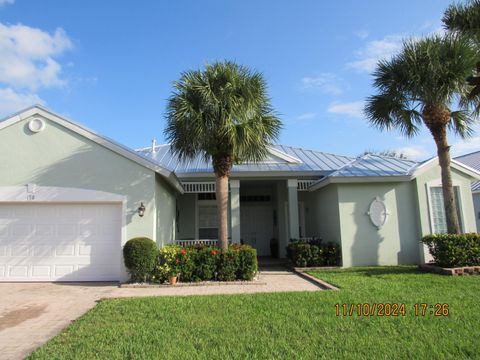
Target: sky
(110,65)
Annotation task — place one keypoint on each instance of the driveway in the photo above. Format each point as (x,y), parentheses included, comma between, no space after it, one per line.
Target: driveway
(32,313)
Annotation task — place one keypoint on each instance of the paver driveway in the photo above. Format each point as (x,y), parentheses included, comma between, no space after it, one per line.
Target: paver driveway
(32,313)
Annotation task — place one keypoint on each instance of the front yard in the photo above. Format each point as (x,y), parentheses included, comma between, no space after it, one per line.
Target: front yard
(285,325)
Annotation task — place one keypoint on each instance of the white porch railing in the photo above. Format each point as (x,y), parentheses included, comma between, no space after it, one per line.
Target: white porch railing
(206,242)
(303,185)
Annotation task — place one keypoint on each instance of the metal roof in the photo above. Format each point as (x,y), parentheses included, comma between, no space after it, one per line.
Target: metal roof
(472,160)
(376,165)
(281,159)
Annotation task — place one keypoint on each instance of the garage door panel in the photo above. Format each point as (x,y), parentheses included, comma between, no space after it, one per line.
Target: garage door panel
(60,242)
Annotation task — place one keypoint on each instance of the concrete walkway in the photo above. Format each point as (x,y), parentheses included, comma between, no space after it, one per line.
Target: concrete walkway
(32,313)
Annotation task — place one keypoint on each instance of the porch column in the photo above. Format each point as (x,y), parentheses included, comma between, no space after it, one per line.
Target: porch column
(293,231)
(235,210)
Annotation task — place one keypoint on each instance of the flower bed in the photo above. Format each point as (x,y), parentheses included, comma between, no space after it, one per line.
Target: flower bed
(206,263)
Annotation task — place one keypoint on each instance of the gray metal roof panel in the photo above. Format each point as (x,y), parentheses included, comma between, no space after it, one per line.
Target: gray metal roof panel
(376,165)
(309,161)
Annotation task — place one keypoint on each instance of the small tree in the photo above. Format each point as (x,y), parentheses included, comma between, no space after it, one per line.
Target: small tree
(425,84)
(224,114)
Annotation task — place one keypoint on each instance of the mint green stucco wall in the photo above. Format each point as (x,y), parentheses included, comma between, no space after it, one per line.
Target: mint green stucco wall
(322,214)
(433,177)
(165,198)
(60,157)
(363,243)
(463,181)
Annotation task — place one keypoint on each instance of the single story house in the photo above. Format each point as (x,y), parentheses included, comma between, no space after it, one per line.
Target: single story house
(473,160)
(70,199)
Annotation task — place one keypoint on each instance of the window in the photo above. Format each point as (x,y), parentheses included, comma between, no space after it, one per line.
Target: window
(207,221)
(438,209)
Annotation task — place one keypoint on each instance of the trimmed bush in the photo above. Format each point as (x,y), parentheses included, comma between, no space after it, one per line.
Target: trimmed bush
(313,253)
(203,263)
(454,250)
(247,265)
(140,257)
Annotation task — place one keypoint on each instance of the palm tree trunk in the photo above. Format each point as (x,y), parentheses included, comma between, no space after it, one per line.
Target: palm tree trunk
(222,210)
(443,152)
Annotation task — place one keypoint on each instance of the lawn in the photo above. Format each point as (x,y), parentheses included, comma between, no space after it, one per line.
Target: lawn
(285,325)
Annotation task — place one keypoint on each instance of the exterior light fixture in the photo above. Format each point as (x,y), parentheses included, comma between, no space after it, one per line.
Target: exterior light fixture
(141,210)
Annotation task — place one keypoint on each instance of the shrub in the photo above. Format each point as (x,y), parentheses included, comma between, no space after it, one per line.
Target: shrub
(453,250)
(313,253)
(247,266)
(166,263)
(140,257)
(206,262)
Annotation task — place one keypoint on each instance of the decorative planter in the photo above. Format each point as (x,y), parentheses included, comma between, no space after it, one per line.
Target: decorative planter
(172,280)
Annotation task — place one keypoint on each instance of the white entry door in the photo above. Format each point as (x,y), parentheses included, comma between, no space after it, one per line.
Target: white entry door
(256,226)
(60,242)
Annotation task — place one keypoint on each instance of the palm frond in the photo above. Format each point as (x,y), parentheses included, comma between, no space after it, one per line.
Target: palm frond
(223,110)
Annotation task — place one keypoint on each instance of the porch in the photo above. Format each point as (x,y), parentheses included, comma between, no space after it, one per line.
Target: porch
(260,212)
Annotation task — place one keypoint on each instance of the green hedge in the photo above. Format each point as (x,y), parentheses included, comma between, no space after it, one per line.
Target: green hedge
(203,263)
(453,250)
(313,253)
(140,257)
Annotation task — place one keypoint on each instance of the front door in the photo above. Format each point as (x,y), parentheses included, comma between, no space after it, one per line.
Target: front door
(256,226)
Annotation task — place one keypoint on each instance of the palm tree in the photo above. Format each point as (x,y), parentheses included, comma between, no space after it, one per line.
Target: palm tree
(224,114)
(425,84)
(465,19)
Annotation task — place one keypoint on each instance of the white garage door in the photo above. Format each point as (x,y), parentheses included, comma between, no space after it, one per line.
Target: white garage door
(60,242)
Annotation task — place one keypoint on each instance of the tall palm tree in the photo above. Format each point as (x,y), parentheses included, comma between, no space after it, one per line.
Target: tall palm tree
(223,113)
(465,19)
(425,84)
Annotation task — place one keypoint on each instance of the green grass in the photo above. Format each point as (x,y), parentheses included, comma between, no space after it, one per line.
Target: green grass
(284,325)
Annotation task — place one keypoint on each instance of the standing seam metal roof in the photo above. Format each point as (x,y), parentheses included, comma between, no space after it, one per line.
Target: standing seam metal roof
(309,161)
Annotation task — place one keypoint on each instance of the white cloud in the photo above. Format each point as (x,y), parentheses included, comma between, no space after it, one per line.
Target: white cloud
(376,50)
(306,116)
(327,83)
(414,152)
(12,101)
(28,56)
(362,34)
(351,109)
(466,146)
(6,2)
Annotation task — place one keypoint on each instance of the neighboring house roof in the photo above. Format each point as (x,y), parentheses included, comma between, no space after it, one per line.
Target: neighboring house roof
(472,160)
(281,159)
(97,138)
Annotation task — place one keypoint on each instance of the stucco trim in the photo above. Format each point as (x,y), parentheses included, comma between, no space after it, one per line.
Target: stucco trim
(97,138)
(357,179)
(43,194)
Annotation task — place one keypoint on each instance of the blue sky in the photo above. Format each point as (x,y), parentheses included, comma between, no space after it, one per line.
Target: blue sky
(110,64)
